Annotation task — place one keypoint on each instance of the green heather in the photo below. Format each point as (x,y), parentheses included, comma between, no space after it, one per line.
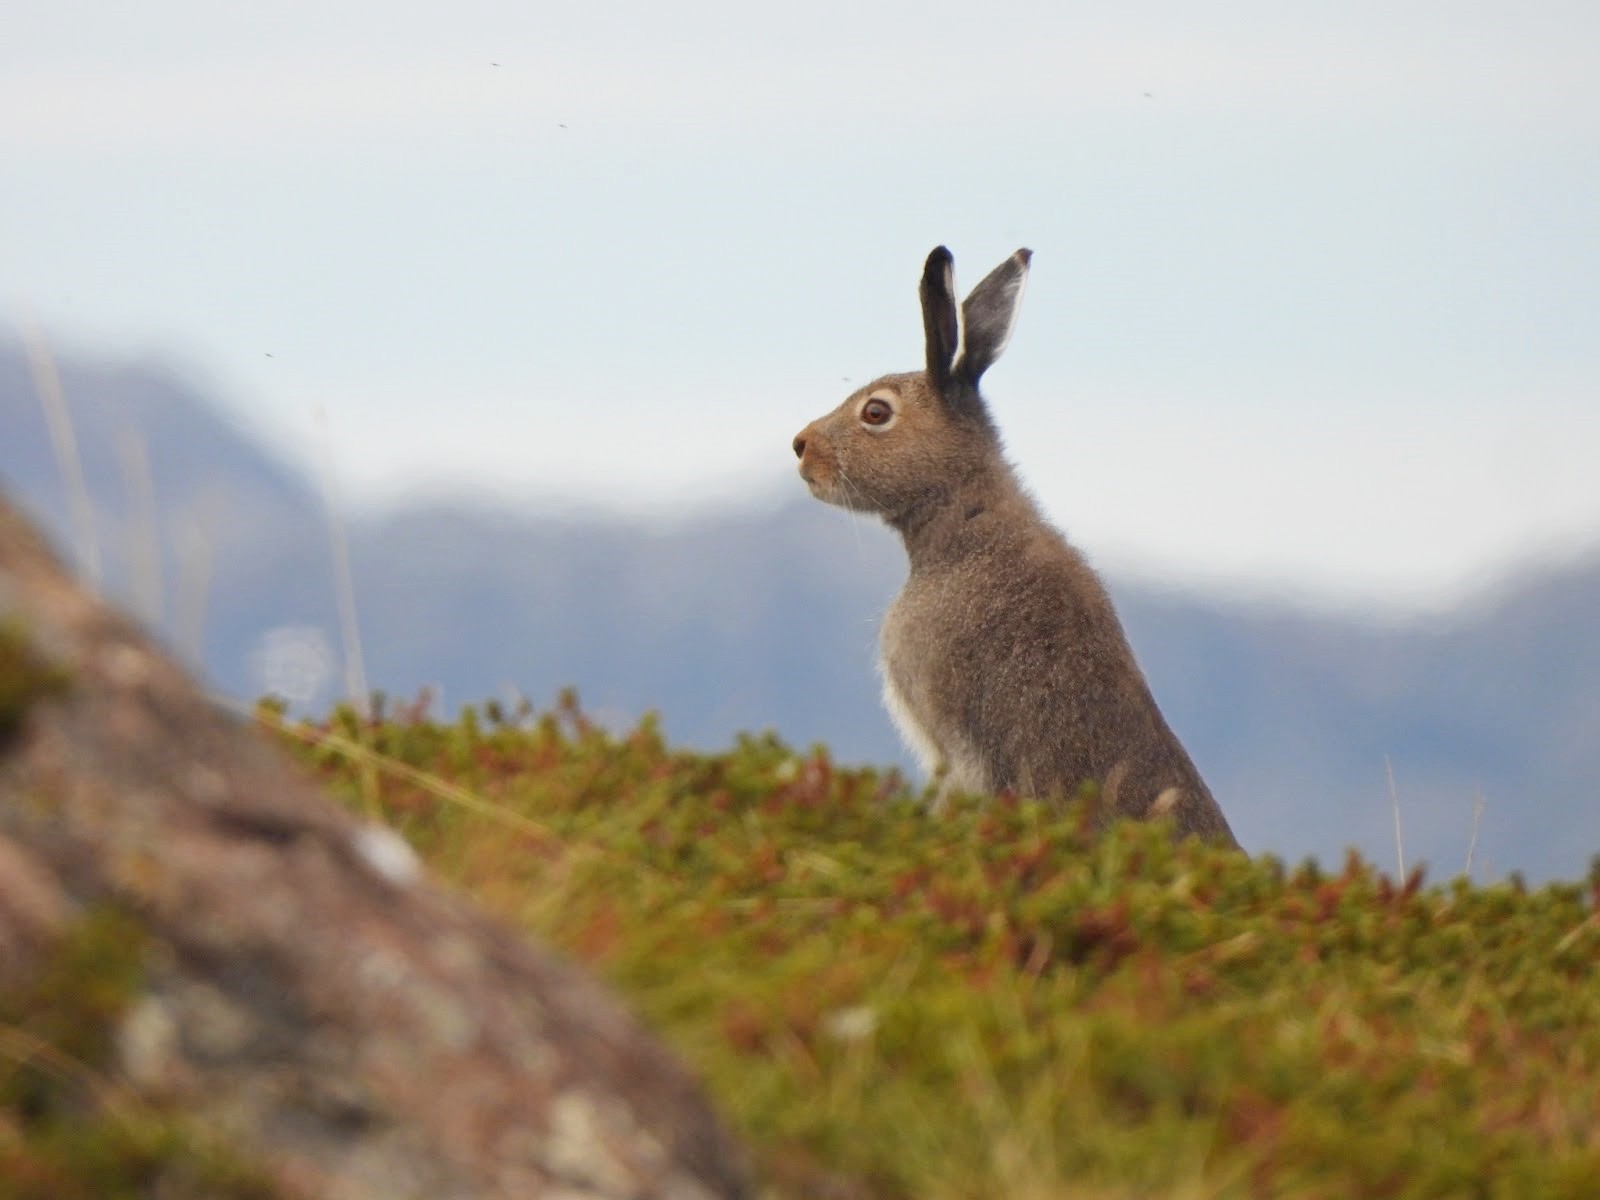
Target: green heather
(994,1005)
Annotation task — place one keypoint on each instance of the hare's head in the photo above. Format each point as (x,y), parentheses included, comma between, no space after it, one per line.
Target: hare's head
(904,439)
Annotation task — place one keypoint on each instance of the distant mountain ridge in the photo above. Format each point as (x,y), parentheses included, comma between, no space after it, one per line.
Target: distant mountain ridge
(768,619)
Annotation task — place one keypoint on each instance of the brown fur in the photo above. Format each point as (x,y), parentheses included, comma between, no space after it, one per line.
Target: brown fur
(1003,660)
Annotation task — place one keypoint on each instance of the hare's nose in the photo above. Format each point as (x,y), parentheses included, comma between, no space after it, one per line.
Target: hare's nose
(800,445)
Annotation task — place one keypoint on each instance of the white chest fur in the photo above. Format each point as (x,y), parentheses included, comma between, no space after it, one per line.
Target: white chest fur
(911,732)
(943,750)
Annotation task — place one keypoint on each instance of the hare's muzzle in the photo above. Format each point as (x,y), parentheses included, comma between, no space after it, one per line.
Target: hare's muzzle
(815,452)
(801,440)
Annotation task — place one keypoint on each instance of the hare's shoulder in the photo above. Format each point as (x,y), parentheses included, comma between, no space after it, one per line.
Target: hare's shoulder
(931,651)
(1001,622)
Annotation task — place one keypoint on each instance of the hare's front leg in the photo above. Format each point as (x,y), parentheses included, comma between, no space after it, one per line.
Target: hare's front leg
(953,772)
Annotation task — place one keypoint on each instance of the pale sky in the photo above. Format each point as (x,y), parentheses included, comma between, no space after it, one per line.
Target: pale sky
(1315,304)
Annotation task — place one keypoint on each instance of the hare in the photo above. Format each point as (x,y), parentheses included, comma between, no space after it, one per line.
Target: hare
(1003,662)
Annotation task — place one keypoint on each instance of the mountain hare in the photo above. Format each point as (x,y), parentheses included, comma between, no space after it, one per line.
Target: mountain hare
(1003,662)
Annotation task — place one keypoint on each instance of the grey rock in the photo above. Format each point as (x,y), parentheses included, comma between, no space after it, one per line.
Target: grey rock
(361,1030)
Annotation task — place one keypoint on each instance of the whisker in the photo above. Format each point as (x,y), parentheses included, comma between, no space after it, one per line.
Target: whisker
(853,494)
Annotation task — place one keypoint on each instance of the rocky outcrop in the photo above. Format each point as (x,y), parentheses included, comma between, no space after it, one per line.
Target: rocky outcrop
(305,988)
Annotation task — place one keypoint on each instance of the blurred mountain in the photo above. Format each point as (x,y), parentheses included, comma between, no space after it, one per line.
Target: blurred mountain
(767,618)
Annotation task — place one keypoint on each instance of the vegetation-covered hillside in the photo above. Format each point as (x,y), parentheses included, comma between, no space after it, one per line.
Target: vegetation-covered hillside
(993,1004)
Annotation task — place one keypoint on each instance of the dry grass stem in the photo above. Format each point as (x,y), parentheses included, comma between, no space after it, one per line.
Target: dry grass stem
(1394,800)
(1472,843)
(64,440)
(144,538)
(355,670)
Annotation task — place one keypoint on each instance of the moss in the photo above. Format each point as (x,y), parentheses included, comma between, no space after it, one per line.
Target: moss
(24,677)
(70,1005)
(993,1003)
(68,1129)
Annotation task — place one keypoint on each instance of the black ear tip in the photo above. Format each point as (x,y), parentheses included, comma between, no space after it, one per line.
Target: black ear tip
(940,257)
(1023,256)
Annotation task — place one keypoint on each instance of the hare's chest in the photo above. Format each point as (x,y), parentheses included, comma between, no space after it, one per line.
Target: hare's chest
(907,723)
(908,663)
(903,691)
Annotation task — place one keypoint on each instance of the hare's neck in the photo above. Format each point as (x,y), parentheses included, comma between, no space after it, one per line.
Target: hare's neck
(947,523)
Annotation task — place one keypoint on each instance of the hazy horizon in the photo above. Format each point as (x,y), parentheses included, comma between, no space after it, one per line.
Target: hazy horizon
(1312,310)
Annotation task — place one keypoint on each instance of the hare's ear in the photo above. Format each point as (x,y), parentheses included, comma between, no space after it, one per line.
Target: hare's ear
(990,314)
(941,321)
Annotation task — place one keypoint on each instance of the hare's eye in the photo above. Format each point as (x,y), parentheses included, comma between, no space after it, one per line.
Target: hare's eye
(876,412)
